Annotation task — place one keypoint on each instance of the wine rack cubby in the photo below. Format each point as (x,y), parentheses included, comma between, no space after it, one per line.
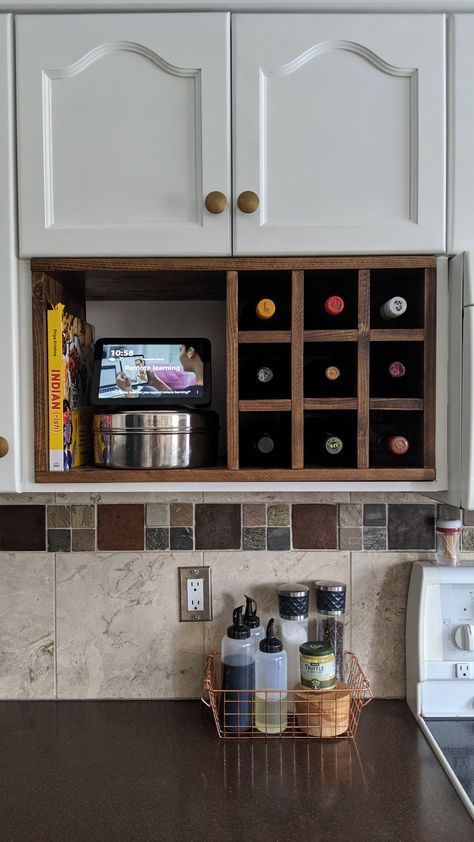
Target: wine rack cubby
(296,408)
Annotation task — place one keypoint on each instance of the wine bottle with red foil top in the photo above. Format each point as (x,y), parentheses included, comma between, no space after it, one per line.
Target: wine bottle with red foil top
(396,369)
(395,445)
(334,305)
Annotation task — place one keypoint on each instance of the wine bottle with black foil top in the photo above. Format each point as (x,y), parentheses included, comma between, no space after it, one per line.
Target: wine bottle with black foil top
(262,443)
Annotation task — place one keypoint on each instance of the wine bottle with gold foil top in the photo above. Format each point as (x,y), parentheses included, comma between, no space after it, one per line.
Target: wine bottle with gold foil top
(329,376)
(265,309)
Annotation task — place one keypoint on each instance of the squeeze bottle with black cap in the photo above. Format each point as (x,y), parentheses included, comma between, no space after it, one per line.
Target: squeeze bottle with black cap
(270,675)
(293,604)
(257,632)
(238,675)
(330,610)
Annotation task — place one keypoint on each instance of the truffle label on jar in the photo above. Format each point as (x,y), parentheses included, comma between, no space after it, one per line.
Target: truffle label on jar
(318,672)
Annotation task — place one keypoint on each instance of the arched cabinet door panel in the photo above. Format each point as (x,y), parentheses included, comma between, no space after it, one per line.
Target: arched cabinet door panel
(339,130)
(123,132)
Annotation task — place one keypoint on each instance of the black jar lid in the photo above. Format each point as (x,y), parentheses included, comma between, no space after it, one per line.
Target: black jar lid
(293,601)
(330,597)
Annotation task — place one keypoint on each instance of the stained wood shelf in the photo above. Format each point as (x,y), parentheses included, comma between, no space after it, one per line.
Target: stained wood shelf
(222,474)
(74,281)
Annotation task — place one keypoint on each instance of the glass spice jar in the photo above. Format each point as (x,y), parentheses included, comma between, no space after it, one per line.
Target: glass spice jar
(330,611)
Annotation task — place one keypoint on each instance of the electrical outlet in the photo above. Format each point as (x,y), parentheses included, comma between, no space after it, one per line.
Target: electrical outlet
(195,594)
(195,591)
(463,671)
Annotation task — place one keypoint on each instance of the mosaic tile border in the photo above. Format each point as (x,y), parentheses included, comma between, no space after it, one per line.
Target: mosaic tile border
(247,526)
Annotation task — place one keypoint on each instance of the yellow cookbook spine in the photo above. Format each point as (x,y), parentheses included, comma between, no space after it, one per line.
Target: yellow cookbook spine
(55,389)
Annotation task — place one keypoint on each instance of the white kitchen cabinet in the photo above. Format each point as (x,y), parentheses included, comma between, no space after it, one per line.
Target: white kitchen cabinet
(124,130)
(11,367)
(339,129)
(123,127)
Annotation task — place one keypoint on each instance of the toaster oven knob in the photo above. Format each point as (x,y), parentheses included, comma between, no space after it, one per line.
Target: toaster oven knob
(464,637)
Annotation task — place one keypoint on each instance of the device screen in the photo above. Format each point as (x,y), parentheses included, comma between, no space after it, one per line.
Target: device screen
(152,372)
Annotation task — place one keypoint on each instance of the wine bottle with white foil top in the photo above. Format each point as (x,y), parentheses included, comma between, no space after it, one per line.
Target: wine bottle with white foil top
(393,307)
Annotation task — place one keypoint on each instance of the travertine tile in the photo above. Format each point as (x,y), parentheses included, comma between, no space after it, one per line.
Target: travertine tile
(58,517)
(254,515)
(181,514)
(83,517)
(379,597)
(350,538)
(83,540)
(26,626)
(235,573)
(158,514)
(26,499)
(389,497)
(278,515)
(118,629)
(350,514)
(276,496)
(129,497)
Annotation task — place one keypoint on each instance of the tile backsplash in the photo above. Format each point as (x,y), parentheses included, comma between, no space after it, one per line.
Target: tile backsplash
(89,583)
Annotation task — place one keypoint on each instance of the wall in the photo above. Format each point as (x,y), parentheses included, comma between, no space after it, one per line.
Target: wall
(89,583)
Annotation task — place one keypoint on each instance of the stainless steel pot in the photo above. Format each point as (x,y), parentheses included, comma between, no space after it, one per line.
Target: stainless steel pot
(165,439)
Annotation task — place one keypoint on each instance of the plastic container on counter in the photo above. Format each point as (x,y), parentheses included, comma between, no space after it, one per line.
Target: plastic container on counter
(448,541)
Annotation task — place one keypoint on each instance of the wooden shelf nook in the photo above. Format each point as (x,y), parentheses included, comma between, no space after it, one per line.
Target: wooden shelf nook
(298,412)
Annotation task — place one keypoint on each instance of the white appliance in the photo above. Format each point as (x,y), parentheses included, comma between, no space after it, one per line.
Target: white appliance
(440,667)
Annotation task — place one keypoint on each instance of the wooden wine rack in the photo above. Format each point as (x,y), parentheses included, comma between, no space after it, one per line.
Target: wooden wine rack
(72,281)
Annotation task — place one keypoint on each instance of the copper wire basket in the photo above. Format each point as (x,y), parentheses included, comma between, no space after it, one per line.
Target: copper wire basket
(299,714)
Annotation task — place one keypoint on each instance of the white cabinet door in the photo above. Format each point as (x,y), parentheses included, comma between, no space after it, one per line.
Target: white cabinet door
(339,128)
(461,135)
(11,364)
(123,127)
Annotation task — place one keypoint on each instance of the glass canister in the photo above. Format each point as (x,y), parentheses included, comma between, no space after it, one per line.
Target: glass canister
(330,611)
(293,606)
(448,541)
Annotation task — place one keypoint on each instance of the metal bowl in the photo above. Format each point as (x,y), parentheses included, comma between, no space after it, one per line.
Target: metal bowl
(165,439)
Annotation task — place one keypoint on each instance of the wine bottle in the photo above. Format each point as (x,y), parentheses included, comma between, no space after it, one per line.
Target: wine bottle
(265,378)
(265,309)
(333,445)
(394,444)
(334,305)
(396,369)
(330,376)
(263,444)
(393,307)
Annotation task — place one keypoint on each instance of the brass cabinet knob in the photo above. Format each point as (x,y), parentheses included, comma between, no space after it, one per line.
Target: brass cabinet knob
(4,448)
(248,201)
(215,202)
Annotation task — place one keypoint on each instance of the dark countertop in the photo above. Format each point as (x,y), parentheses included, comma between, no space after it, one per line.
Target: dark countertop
(140,771)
